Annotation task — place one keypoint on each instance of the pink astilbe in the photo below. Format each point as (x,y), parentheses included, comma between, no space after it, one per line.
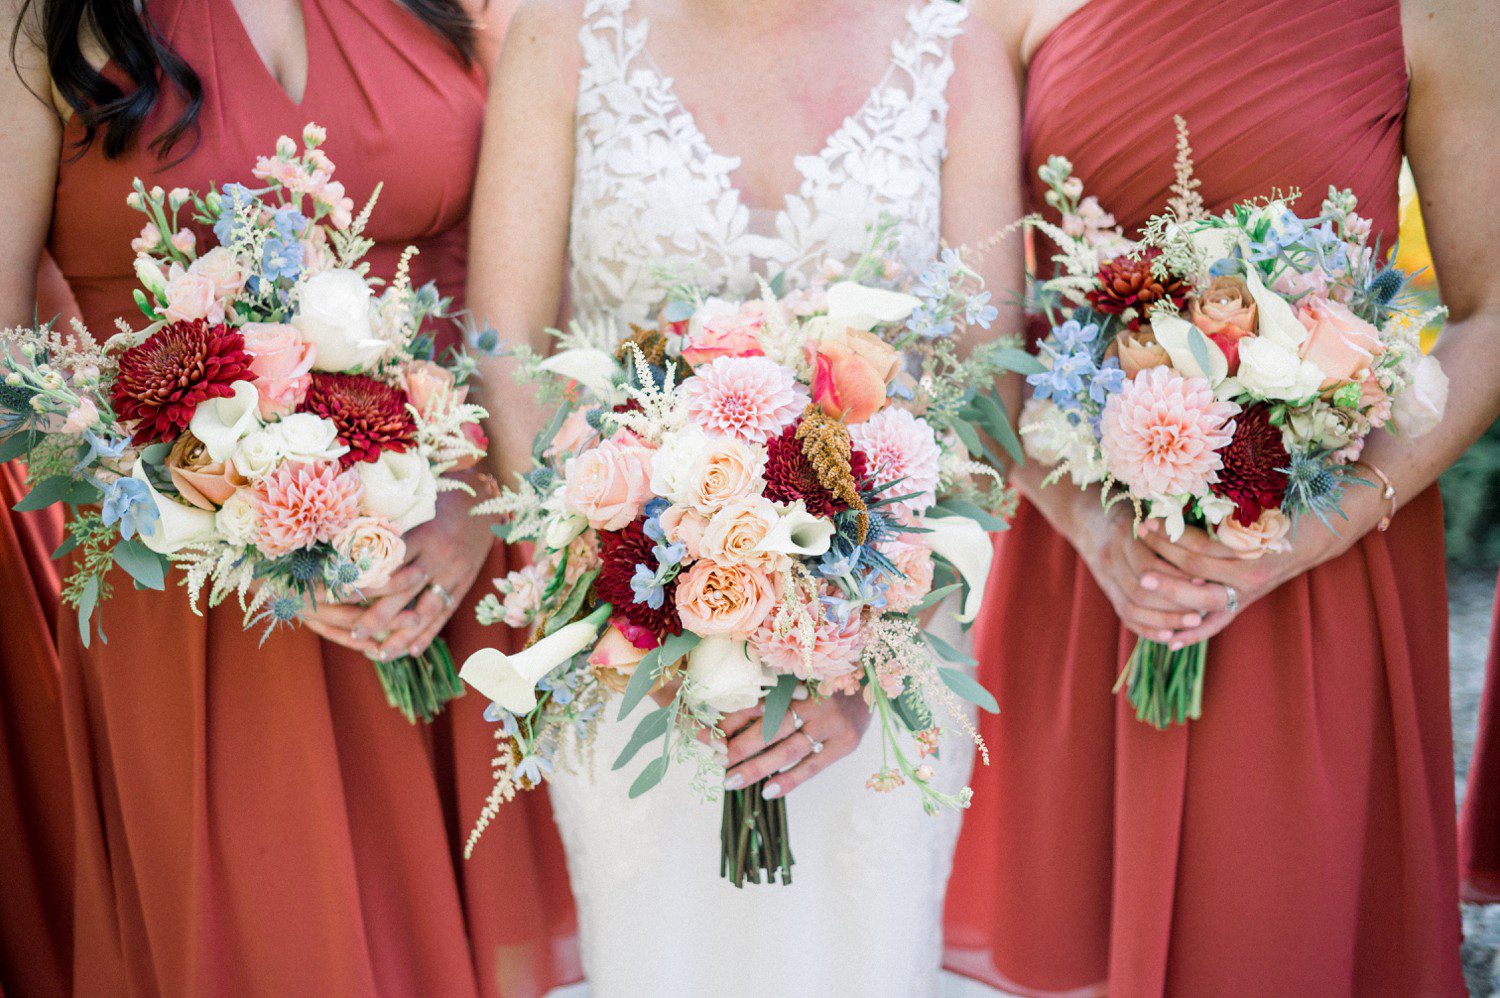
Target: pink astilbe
(749,398)
(301,504)
(835,650)
(900,448)
(1162,434)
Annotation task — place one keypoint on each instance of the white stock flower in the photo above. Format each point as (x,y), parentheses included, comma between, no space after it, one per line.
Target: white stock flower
(221,423)
(725,674)
(399,487)
(335,315)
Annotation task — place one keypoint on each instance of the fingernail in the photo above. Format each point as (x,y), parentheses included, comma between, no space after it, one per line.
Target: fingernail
(358,634)
(1177,646)
(414,650)
(1148,581)
(772,791)
(1200,582)
(734,782)
(721,750)
(1164,636)
(1191,620)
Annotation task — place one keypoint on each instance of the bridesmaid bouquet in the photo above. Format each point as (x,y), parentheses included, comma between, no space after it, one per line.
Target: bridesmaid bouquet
(754,501)
(1222,371)
(273,430)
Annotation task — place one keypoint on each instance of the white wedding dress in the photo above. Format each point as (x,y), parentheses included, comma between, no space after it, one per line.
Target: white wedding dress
(863,915)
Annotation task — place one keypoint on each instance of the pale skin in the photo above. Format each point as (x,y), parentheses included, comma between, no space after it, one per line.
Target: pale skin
(405,615)
(1176,592)
(756,75)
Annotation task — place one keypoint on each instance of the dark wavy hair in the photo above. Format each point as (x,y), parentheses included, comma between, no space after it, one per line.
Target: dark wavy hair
(115,116)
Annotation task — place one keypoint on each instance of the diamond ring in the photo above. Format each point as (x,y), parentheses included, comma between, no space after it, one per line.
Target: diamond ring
(817,746)
(442,594)
(797,721)
(1231,599)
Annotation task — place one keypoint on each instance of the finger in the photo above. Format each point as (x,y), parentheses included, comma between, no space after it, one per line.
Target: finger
(340,636)
(751,739)
(337,615)
(380,617)
(1197,599)
(407,579)
(782,755)
(733,724)
(1157,625)
(1190,563)
(1212,625)
(811,765)
(431,612)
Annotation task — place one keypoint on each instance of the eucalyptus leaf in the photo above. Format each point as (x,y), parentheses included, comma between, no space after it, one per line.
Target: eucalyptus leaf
(649,776)
(967,687)
(959,506)
(640,683)
(144,565)
(936,596)
(45,493)
(946,651)
(778,701)
(652,727)
(15,445)
(1017,360)
(570,606)
(87,600)
(1199,347)
(69,543)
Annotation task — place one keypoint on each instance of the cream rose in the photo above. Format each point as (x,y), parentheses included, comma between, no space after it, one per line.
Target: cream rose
(237,521)
(1268,533)
(371,544)
(190,296)
(335,315)
(200,479)
(1270,369)
(1338,341)
(281,362)
(257,455)
(737,533)
(400,488)
(608,485)
(684,526)
(725,674)
(728,469)
(306,437)
(1421,406)
(221,268)
(723,599)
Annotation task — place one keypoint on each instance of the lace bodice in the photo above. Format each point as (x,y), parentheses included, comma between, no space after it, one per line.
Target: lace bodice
(651,196)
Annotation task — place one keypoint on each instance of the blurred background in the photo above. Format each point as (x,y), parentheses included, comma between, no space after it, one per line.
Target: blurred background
(1471,497)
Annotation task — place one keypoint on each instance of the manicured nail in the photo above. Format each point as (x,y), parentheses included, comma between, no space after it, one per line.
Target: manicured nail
(734,782)
(1177,646)
(358,634)
(1191,620)
(1164,636)
(721,750)
(1149,581)
(414,650)
(772,791)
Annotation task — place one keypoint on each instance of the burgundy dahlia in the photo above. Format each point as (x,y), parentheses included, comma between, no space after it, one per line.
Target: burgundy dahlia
(1126,282)
(1252,477)
(163,380)
(620,551)
(371,416)
(790,476)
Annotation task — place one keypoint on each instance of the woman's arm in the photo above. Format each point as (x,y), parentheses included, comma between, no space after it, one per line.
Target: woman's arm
(28,165)
(1452,134)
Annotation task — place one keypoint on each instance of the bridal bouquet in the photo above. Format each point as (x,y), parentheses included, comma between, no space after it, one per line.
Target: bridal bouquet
(747,499)
(1223,371)
(274,429)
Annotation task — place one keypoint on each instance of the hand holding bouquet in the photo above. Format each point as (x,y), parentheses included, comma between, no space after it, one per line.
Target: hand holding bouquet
(748,499)
(274,430)
(1225,372)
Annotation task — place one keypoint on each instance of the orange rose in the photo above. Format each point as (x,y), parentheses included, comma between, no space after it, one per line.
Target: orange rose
(1225,306)
(851,369)
(1268,533)
(723,599)
(202,481)
(1138,352)
(1338,341)
(614,659)
(426,384)
(684,526)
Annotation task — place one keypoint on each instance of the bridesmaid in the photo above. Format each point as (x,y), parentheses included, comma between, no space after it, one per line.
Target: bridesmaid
(1479,824)
(1299,839)
(253,818)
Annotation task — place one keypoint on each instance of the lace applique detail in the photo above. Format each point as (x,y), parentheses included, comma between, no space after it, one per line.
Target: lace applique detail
(649,192)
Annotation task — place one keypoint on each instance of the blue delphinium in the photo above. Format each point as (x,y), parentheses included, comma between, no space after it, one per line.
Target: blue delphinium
(647,587)
(235,196)
(128,502)
(1107,380)
(979,312)
(649,584)
(99,447)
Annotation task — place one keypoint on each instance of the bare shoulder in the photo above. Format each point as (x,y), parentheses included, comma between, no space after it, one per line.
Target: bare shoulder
(984,63)
(1452,40)
(541,48)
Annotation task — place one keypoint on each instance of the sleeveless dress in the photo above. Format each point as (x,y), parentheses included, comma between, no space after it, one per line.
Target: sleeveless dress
(253,818)
(1299,838)
(1479,823)
(863,912)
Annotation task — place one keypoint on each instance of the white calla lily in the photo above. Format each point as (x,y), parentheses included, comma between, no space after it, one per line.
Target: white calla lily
(594,369)
(178,525)
(862,307)
(725,675)
(223,422)
(1276,319)
(966,546)
(510,680)
(798,533)
(1175,334)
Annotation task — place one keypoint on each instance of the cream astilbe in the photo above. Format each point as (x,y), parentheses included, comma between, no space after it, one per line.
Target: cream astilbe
(351,245)
(1186,203)
(659,410)
(602,334)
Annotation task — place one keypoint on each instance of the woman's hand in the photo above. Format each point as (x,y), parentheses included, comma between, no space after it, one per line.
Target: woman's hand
(813,735)
(1154,598)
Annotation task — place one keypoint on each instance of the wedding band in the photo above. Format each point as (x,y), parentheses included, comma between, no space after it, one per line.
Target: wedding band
(1231,599)
(796,721)
(817,746)
(442,594)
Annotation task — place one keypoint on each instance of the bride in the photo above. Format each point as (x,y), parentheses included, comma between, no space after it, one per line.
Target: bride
(730,139)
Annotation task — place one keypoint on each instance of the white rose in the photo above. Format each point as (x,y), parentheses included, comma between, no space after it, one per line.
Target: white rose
(399,487)
(335,315)
(1271,369)
(673,466)
(594,369)
(510,680)
(178,525)
(237,520)
(859,307)
(258,454)
(1420,407)
(308,438)
(726,675)
(223,422)
(563,530)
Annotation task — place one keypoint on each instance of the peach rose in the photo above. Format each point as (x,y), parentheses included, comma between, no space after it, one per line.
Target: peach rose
(1138,352)
(681,525)
(200,480)
(1268,533)
(190,296)
(1338,341)
(608,485)
(720,329)
(1226,314)
(851,369)
(281,362)
(736,532)
(426,383)
(614,659)
(728,469)
(370,543)
(574,436)
(723,599)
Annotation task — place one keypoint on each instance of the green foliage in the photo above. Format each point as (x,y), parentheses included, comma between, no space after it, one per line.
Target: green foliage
(1471,503)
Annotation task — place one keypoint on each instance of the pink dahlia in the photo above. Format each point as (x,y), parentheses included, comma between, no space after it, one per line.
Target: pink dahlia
(835,650)
(749,398)
(1162,434)
(913,560)
(900,448)
(301,504)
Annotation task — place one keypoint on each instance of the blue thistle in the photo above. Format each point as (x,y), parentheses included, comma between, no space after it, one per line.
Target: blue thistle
(1386,285)
(1314,486)
(284,609)
(305,564)
(541,479)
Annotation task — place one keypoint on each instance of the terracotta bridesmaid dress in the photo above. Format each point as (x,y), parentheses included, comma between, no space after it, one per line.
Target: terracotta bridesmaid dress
(1299,838)
(252,818)
(1479,824)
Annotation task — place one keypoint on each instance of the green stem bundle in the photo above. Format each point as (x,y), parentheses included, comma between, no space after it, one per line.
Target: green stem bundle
(754,838)
(420,685)
(1164,686)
